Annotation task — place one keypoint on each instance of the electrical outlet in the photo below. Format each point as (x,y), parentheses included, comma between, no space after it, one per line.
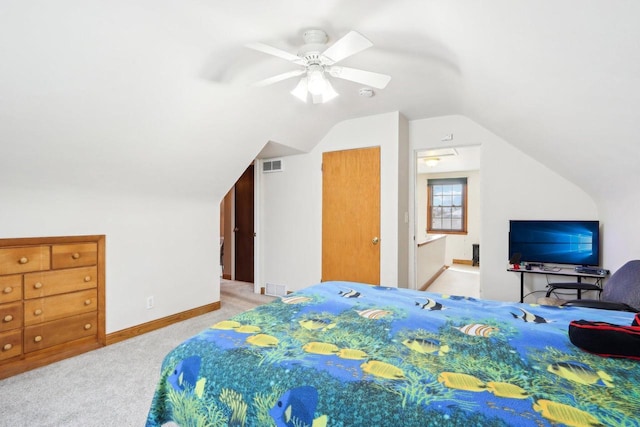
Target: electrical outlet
(149,302)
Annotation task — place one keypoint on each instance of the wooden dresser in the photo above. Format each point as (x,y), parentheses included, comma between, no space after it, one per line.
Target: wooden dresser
(52,300)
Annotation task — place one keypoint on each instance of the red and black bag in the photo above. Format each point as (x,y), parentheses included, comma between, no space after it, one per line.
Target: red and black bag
(607,339)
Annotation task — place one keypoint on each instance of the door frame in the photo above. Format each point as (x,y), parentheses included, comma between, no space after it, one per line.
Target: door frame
(257,241)
(413,209)
(257,271)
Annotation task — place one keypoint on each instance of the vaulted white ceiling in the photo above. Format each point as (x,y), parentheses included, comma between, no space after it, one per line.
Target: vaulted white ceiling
(153,95)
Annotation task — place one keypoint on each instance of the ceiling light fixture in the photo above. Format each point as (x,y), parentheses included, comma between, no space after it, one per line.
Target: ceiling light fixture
(317,82)
(431,161)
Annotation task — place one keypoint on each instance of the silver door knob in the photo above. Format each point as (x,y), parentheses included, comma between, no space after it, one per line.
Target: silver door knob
(375,240)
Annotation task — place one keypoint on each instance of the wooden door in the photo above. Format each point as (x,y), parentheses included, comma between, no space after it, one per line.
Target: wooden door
(243,231)
(351,215)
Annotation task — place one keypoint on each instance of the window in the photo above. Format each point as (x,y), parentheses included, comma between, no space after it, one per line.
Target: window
(447,206)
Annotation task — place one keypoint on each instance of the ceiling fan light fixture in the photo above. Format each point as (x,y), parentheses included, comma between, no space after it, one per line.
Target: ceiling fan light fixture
(317,82)
(329,93)
(300,91)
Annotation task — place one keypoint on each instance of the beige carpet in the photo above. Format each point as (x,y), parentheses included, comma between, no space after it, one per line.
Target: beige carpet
(112,386)
(458,279)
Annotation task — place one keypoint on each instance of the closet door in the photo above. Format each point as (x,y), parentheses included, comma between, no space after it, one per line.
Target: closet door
(351,215)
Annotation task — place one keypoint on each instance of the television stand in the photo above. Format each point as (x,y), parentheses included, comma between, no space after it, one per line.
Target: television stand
(566,272)
(577,286)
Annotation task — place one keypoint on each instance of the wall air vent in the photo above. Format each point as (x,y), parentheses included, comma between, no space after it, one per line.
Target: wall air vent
(272,165)
(275,290)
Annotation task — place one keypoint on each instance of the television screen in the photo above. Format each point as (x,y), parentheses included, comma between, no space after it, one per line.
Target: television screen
(555,242)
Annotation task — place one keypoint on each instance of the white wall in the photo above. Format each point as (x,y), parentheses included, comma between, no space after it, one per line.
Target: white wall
(291,204)
(513,186)
(458,246)
(161,247)
(620,216)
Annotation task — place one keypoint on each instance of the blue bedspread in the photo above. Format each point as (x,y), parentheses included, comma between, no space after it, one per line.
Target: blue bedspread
(347,354)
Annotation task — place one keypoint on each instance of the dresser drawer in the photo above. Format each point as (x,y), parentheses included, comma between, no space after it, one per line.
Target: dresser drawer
(10,288)
(10,316)
(23,260)
(37,285)
(74,255)
(56,307)
(10,344)
(60,331)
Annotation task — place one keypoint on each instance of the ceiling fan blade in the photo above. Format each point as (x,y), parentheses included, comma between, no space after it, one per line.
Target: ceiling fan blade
(279,78)
(352,43)
(368,78)
(270,50)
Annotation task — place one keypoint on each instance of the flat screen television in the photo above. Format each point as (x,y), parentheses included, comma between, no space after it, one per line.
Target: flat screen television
(555,242)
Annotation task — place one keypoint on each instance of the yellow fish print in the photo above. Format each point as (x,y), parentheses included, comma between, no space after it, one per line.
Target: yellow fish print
(477,330)
(507,390)
(580,373)
(248,329)
(295,300)
(461,381)
(314,324)
(321,421)
(263,340)
(426,346)
(320,348)
(383,370)
(199,389)
(352,353)
(565,414)
(373,313)
(226,325)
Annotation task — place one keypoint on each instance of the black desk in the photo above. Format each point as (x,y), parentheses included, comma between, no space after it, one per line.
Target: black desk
(566,272)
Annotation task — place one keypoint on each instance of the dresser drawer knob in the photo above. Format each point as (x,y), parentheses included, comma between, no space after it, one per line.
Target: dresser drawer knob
(87,326)
(7,347)
(75,255)
(87,278)
(7,290)
(37,338)
(8,318)
(87,302)
(37,312)
(23,260)
(37,285)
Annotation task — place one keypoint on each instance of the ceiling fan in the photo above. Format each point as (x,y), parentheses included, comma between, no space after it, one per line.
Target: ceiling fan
(317,62)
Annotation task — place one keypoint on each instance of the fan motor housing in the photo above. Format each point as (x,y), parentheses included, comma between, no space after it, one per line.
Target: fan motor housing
(314,43)
(315,36)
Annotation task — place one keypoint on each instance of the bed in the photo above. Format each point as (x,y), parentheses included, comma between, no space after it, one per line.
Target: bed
(348,354)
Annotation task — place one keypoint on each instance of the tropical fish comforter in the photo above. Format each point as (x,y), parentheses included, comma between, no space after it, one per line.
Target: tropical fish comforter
(348,354)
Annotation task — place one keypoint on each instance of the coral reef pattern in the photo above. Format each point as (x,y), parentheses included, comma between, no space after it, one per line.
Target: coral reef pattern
(348,354)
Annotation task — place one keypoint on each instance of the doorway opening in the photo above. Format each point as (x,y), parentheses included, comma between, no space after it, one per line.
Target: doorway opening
(436,252)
